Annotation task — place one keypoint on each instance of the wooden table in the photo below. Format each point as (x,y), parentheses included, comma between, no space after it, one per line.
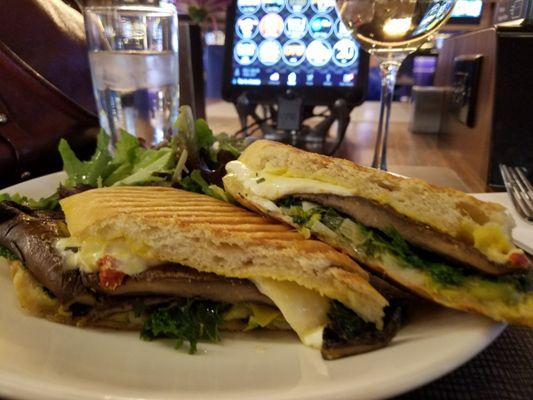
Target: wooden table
(407,152)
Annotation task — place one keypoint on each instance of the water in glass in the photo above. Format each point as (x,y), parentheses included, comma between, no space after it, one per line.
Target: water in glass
(134,66)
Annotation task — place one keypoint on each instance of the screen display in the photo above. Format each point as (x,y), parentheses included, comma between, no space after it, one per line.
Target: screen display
(467,9)
(292,43)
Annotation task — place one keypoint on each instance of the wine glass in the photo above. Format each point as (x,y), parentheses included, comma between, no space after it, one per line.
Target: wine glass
(391,30)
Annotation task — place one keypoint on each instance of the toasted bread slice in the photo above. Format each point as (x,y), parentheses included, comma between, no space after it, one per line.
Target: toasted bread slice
(209,235)
(477,231)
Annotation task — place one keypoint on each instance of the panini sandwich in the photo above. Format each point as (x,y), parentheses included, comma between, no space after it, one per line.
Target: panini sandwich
(440,243)
(122,255)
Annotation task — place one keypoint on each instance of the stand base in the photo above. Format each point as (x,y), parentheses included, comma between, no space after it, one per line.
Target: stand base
(290,127)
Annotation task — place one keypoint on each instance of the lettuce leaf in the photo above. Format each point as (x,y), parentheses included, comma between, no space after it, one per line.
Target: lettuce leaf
(150,163)
(204,135)
(196,183)
(86,172)
(131,164)
(45,203)
(121,165)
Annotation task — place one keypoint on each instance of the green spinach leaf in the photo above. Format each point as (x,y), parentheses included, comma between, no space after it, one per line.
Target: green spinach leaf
(346,323)
(192,321)
(204,135)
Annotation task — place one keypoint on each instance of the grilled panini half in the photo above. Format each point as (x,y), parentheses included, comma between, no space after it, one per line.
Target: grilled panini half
(154,244)
(440,243)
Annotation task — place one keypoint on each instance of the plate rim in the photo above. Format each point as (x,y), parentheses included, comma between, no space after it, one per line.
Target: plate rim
(396,387)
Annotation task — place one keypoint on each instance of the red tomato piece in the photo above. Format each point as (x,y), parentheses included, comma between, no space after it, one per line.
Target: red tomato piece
(519,259)
(109,276)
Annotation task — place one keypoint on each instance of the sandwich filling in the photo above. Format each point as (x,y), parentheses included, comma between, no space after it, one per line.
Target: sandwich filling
(118,262)
(508,297)
(304,310)
(484,245)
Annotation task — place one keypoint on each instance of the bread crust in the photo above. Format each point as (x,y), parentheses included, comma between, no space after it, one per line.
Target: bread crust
(213,236)
(445,210)
(34,299)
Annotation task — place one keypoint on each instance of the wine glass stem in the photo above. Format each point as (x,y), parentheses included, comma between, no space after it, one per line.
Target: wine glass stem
(388,71)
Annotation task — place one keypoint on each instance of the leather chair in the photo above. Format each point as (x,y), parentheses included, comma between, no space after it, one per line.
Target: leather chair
(45,85)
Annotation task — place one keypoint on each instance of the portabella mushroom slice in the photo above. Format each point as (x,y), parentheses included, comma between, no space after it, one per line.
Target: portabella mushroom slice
(31,237)
(180,281)
(374,215)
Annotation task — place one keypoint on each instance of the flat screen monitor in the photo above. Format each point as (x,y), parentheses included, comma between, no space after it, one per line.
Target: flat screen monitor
(467,12)
(273,46)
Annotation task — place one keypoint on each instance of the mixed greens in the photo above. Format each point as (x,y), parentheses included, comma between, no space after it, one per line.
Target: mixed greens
(193,159)
(46,203)
(195,320)
(373,244)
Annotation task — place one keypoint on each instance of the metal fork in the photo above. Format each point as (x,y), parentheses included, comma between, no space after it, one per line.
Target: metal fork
(519,189)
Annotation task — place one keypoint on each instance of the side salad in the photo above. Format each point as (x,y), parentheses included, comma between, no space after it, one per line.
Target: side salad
(194,159)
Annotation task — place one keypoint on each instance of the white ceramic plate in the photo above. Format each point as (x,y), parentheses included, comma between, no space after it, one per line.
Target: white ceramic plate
(41,359)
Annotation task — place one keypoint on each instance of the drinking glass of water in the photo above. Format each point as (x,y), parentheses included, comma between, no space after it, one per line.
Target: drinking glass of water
(391,30)
(133,52)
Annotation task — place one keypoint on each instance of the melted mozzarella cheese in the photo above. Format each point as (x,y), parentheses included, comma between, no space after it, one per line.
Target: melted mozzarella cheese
(273,187)
(305,310)
(130,258)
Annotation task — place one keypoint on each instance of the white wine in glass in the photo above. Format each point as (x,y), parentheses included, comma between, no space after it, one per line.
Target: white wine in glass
(391,30)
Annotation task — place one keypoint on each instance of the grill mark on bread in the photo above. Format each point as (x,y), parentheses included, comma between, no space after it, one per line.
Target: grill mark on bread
(186,209)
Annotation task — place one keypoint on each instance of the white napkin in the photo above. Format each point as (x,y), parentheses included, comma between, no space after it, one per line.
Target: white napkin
(523,231)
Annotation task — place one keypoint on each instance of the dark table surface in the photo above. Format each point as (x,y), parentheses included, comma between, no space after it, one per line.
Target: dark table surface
(504,371)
